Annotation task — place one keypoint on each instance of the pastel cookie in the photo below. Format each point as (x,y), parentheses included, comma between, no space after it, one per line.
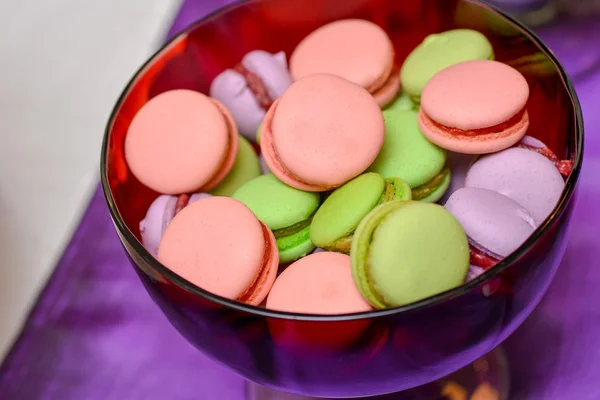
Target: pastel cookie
(245,168)
(475,107)
(336,220)
(355,49)
(323,131)
(317,284)
(525,176)
(439,51)
(160,214)
(249,89)
(495,224)
(410,156)
(219,245)
(181,141)
(405,251)
(285,210)
(401,103)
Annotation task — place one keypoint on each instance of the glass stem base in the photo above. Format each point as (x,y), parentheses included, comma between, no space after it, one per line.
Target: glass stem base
(485,379)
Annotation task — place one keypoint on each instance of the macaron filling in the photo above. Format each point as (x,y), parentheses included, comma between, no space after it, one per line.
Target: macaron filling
(425,190)
(505,128)
(264,272)
(293,229)
(256,86)
(481,256)
(564,167)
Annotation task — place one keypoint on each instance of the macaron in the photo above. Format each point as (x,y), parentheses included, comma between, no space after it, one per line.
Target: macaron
(181,141)
(285,210)
(336,220)
(317,284)
(249,89)
(565,167)
(245,168)
(405,251)
(355,49)
(410,156)
(475,107)
(160,214)
(459,164)
(219,245)
(495,224)
(322,132)
(439,51)
(523,175)
(401,103)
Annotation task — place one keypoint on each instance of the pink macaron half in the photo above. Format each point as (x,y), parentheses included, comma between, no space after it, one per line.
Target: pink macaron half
(160,214)
(475,107)
(181,141)
(323,131)
(217,244)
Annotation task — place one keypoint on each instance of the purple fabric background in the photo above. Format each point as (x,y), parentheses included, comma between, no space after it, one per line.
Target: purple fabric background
(95,333)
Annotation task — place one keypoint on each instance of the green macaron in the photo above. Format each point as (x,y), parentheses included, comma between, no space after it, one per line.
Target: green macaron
(405,251)
(439,51)
(408,155)
(285,210)
(401,103)
(245,168)
(335,221)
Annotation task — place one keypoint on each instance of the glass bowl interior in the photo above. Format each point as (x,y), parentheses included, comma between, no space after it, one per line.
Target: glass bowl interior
(195,56)
(380,351)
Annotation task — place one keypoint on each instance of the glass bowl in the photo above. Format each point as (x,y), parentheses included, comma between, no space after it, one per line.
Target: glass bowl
(370,353)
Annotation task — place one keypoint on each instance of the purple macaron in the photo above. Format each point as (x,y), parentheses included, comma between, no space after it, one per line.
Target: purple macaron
(526,176)
(160,213)
(495,224)
(249,89)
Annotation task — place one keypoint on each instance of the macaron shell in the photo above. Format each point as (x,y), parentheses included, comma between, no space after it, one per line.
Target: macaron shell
(401,103)
(275,203)
(416,250)
(245,168)
(492,220)
(159,215)
(388,92)
(178,142)
(342,211)
(357,50)
(475,94)
(317,284)
(474,144)
(230,156)
(459,165)
(525,176)
(231,89)
(324,131)
(295,246)
(406,153)
(217,244)
(439,51)
(271,69)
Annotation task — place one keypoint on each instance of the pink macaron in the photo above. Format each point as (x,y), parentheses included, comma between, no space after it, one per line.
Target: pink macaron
(525,176)
(323,131)
(319,283)
(475,107)
(355,49)
(181,141)
(218,244)
(495,224)
(160,214)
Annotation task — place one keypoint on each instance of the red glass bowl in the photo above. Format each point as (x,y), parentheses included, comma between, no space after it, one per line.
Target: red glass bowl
(395,349)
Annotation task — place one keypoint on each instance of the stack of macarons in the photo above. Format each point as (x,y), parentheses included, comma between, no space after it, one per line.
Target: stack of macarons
(333,210)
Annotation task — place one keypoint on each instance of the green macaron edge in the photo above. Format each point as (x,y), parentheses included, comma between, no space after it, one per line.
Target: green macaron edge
(440,190)
(295,246)
(433,190)
(359,252)
(245,168)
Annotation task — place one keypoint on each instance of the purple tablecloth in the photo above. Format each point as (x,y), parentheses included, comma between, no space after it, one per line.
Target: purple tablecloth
(95,333)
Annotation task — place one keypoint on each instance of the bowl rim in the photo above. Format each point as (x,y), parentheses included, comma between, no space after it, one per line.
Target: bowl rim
(133,242)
